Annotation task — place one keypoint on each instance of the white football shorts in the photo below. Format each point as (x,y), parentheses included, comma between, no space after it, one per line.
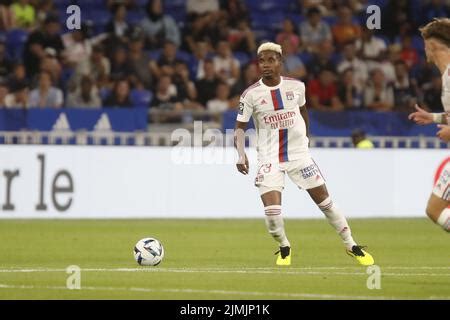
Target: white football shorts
(442,186)
(303,172)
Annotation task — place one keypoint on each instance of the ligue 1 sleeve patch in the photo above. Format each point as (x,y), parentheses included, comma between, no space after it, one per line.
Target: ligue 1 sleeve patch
(241,108)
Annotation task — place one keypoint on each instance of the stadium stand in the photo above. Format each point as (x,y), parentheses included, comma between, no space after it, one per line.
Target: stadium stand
(146,26)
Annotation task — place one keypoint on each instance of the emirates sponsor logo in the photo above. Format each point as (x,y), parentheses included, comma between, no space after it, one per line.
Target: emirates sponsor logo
(269,119)
(283,120)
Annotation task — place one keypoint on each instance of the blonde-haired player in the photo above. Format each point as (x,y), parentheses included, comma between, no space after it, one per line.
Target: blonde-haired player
(277,105)
(437,48)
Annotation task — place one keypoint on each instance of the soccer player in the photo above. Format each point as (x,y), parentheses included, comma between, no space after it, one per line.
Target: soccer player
(437,48)
(277,105)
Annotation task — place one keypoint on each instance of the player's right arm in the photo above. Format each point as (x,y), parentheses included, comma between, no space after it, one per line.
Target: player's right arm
(243,117)
(423,117)
(239,142)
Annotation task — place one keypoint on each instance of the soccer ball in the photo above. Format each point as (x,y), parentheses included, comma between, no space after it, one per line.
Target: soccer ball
(148,252)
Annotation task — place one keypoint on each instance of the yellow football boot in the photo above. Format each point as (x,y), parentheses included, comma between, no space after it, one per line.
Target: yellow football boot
(284,256)
(364,258)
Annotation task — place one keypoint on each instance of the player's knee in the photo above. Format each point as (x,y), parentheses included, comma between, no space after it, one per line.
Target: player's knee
(275,231)
(325,204)
(432,212)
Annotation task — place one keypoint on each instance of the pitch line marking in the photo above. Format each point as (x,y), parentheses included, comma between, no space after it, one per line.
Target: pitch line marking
(238,268)
(220,292)
(279,271)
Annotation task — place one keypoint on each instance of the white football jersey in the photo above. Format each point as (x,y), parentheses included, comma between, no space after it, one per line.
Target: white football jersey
(280,128)
(446,90)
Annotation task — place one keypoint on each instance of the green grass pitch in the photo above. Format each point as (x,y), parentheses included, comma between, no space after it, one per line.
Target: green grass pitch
(221,259)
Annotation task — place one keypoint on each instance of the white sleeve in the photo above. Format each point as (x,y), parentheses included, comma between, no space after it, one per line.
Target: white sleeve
(59,98)
(245,109)
(302,96)
(446,91)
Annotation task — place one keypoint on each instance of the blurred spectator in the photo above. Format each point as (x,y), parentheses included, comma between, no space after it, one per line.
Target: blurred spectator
(242,38)
(322,59)
(206,23)
(360,140)
(201,53)
(358,6)
(314,31)
(18,96)
(288,33)
(45,95)
(206,87)
(198,31)
(85,96)
(345,30)
(118,27)
(226,66)
(218,28)
(201,7)
(166,97)
(409,54)
(370,48)
(166,62)
(432,94)
(396,18)
(97,66)
(220,102)
(158,27)
(378,95)
(78,45)
(139,63)
(166,100)
(387,63)
(322,92)
(6,65)
(359,67)
(348,93)
(236,11)
(293,66)
(120,95)
(24,14)
(18,75)
(3,93)
(404,94)
(47,37)
(326,7)
(7,20)
(119,65)
(51,64)
(186,90)
(44,9)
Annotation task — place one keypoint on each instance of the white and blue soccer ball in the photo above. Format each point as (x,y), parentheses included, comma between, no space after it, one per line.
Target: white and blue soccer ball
(148,252)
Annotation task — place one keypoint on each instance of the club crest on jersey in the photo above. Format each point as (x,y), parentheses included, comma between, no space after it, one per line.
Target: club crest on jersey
(290,95)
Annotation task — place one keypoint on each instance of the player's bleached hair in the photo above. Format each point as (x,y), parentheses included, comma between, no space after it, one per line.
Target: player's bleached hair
(270,46)
(438,29)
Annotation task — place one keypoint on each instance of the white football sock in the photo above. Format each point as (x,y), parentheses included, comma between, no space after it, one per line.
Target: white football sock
(444,220)
(338,221)
(275,225)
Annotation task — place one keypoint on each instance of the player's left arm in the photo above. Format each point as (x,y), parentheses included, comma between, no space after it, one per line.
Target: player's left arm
(302,107)
(305,116)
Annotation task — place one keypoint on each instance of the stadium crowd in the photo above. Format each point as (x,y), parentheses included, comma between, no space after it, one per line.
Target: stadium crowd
(200,54)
